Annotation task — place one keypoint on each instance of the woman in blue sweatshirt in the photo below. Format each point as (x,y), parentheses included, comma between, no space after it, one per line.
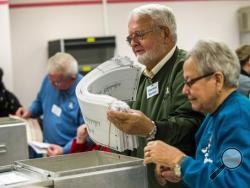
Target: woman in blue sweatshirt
(222,159)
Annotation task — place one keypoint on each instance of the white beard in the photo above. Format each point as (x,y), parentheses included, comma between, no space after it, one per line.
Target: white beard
(151,55)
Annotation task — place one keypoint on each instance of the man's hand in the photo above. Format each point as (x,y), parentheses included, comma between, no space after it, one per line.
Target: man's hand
(82,134)
(54,150)
(23,113)
(161,153)
(131,122)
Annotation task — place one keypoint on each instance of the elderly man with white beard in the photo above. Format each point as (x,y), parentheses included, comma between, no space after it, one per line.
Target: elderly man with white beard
(161,111)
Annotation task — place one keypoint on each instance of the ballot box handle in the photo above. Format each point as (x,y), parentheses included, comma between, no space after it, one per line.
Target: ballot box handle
(3,148)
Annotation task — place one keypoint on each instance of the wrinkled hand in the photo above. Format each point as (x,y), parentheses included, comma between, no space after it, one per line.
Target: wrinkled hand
(160,179)
(23,113)
(164,174)
(54,150)
(82,134)
(131,122)
(168,175)
(161,153)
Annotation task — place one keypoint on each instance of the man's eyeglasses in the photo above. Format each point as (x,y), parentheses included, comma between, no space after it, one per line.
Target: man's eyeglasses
(190,82)
(138,35)
(58,81)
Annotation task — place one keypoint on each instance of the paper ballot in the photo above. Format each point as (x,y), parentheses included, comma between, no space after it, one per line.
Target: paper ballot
(34,134)
(114,80)
(7,178)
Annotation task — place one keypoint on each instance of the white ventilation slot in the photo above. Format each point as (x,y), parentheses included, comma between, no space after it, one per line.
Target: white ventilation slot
(244,19)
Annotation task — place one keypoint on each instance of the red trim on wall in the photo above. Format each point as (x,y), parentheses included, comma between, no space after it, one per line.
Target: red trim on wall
(2,2)
(138,1)
(88,2)
(59,3)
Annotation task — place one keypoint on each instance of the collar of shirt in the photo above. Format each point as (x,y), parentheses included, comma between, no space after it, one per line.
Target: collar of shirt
(159,65)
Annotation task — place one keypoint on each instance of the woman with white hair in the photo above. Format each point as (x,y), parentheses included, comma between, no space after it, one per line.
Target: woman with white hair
(222,159)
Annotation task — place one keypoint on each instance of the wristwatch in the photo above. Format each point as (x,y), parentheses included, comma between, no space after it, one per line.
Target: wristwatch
(151,135)
(177,168)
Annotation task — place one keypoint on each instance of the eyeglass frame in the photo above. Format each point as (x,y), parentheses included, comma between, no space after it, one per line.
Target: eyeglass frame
(194,80)
(58,83)
(139,35)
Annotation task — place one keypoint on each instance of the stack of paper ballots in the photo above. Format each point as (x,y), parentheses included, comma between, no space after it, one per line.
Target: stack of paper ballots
(114,80)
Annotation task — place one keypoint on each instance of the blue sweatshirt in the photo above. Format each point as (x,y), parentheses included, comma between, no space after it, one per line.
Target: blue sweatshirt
(227,128)
(61,113)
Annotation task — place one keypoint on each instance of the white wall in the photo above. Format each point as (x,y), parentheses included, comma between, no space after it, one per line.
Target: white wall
(5,47)
(33,27)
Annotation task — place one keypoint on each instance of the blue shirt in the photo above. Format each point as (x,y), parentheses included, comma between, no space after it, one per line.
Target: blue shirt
(228,127)
(61,113)
(244,87)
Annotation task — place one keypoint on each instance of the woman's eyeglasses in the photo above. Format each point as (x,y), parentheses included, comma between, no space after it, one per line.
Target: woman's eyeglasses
(190,82)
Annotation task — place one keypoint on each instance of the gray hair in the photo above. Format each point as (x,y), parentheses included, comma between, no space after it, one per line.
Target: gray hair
(63,63)
(214,56)
(161,16)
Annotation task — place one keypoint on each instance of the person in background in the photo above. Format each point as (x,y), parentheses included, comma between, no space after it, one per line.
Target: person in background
(222,156)
(161,111)
(57,103)
(81,143)
(8,101)
(243,54)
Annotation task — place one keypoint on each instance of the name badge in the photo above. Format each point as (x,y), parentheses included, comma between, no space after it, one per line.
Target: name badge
(56,110)
(152,90)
